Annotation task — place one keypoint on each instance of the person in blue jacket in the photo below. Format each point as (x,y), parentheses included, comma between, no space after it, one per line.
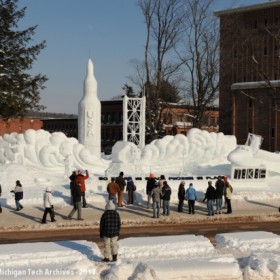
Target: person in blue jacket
(191,197)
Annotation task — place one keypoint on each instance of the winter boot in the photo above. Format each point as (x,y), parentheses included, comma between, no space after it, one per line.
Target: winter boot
(115,258)
(0,209)
(105,260)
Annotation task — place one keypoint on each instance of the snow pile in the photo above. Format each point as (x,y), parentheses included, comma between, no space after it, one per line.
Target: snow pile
(58,260)
(237,256)
(165,247)
(258,252)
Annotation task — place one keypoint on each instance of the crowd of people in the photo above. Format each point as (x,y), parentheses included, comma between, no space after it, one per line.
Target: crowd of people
(158,196)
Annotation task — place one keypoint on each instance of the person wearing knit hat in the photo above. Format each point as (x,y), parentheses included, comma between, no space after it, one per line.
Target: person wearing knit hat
(48,203)
(110,225)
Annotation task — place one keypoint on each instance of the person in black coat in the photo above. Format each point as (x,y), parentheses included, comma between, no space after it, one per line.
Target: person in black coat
(210,195)
(181,196)
(220,185)
(77,198)
(166,194)
(110,225)
(72,182)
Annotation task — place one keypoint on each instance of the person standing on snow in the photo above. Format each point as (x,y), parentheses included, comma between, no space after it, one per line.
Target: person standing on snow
(121,182)
(210,195)
(160,182)
(181,196)
(72,182)
(110,225)
(156,194)
(151,184)
(166,194)
(112,189)
(220,185)
(191,197)
(80,180)
(130,188)
(18,191)
(228,193)
(77,197)
(48,203)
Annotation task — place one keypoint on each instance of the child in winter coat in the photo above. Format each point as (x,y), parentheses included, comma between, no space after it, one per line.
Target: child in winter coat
(48,203)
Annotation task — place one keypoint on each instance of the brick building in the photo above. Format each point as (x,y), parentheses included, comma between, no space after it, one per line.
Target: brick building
(19,125)
(250,73)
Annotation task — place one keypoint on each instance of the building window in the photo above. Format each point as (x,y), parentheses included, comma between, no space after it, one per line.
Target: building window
(113,117)
(272,132)
(102,118)
(250,130)
(250,103)
(265,50)
(120,135)
(276,20)
(265,22)
(272,103)
(120,117)
(255,24)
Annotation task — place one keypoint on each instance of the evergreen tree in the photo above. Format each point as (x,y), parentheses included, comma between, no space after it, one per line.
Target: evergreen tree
(19,91)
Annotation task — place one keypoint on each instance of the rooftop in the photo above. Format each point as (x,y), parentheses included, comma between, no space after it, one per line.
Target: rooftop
(269,4)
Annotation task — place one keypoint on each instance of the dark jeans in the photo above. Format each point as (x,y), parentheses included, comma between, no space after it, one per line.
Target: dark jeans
(180,205)
(191,206)
(50,211)
(228,202)
(84,199)
(130,195)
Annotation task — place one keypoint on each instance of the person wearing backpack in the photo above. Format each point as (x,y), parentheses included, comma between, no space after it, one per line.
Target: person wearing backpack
(228,193)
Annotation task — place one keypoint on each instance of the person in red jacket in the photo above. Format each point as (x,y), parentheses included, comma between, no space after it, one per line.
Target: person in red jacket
(80,179)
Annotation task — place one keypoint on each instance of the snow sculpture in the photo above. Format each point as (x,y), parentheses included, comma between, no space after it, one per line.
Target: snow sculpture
(42,149)
(89,115)
(197,148)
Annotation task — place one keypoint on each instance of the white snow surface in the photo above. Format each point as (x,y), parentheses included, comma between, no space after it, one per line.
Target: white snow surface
(40,159)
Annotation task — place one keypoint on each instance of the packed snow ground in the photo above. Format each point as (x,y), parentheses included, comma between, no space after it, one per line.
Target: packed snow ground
(239,256)
(40,159)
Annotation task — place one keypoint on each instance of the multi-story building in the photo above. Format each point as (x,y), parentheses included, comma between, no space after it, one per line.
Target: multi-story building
(250,73)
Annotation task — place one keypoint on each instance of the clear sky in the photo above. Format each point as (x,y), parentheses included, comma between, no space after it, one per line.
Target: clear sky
(110,32)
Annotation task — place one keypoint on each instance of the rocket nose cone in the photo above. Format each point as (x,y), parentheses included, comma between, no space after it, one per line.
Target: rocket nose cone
(90,68)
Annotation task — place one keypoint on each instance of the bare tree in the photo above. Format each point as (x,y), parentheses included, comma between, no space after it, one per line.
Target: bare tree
(164,21)
(200,55)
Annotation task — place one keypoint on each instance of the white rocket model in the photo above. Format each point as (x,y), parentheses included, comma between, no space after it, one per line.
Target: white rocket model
(89,115)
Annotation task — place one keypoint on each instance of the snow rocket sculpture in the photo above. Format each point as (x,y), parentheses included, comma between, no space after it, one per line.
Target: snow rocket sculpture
(89,115)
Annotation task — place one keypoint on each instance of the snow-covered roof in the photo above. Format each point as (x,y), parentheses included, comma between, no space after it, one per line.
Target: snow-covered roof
(250,8)
(254,85)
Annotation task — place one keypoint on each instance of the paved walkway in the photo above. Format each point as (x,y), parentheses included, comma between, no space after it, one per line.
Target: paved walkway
(29,218)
